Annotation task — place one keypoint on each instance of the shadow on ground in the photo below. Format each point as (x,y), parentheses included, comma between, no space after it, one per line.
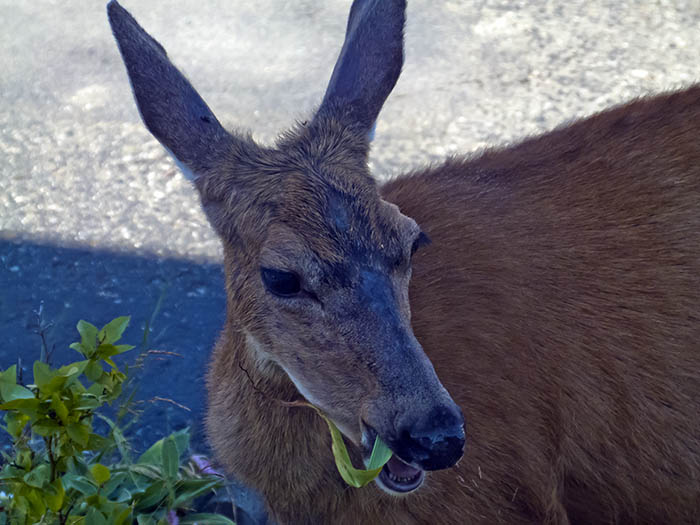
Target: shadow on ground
(74,284)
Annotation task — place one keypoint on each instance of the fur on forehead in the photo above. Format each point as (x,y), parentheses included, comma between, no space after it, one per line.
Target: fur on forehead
(316,182)
(325,150)
(331,200)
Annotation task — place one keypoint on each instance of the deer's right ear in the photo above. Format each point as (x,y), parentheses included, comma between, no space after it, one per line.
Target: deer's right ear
(369,63)
(170,107)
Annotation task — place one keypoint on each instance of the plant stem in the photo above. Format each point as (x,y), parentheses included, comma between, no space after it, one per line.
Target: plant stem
(52,460)
(64,518)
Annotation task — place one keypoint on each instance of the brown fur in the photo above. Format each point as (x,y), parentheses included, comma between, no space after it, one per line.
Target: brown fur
(559,304)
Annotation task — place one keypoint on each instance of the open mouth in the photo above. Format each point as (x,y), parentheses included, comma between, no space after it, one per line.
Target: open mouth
(400,477)
(397,477)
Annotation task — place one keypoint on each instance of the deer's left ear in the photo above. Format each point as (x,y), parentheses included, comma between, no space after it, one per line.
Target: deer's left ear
(369,64)
(170,107)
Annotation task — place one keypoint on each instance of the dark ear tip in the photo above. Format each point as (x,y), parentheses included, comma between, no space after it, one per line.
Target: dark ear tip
(117,15)
(131,37)
(114,9)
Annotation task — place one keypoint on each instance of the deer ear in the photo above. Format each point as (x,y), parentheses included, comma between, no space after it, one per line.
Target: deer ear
(369,63)
(170,107)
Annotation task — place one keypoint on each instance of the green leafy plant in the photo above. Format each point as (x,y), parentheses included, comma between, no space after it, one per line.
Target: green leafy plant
(61,471)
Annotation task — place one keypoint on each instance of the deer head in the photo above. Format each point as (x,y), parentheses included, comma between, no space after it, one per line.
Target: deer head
(317,264)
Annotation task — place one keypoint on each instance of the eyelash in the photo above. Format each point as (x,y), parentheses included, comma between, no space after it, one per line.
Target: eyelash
(421,240)
(273,282)
(280,282)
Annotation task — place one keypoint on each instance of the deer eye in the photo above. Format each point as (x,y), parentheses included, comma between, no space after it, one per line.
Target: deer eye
(421,240)
(280,283)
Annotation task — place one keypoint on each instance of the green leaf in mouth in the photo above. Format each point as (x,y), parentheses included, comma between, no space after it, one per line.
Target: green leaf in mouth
(353,476)
(380,454)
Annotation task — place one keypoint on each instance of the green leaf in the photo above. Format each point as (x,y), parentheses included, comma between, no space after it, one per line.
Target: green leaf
(115,480)
(88,335)
(63,377)
(76,388)
(205,519)
(96,390)
(10,392)
(109,361)
(55,384)
(152,496)
(154,454)
(123,517)
(16,423)
(87,402)
(78,347)
(66,449)
(97,442)
(95,517)
(24,458)
(190,489)
(38,476)
(9,375)
(182,440)
(113,330)
(105,351)
(76,466)
(93,371)
(124,495)
(42,374)
(79,483)
(73,369)
(60,408)
(354,477)
(25,406)
(36,502)
(100,473)
(381,454)
(79,433)
(170,458)
(145,519)
(54,495)
(45,427)
(11,473)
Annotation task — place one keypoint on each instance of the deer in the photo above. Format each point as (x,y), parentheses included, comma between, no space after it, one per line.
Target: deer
(520,326)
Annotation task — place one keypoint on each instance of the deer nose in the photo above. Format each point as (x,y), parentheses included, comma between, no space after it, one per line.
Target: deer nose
(434,441)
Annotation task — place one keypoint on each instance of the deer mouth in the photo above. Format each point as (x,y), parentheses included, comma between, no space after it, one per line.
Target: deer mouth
(397,477)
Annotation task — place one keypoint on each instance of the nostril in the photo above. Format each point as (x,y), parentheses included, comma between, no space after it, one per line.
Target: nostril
(442,423)
(439,435)
(434,441)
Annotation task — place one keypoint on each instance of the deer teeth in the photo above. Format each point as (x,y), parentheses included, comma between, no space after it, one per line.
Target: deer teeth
(401,479)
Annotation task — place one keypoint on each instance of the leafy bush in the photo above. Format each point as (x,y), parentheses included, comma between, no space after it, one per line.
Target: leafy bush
(63,471)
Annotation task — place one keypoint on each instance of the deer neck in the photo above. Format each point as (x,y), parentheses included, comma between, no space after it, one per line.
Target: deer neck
(277,449)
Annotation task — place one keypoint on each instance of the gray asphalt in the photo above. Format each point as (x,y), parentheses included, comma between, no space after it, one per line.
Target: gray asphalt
(95,220)
(79,167)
